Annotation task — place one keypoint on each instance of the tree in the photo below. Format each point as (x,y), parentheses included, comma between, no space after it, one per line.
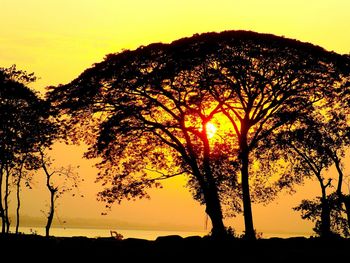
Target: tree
(313,162)
(330,138)
(143,114)
(151,106)
(317,141)
(24,125)
(336,141)
(313,144)
(314,210)
(265,83)
(58,181)
(341,139)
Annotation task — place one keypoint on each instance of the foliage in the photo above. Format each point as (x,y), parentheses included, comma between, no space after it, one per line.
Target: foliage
(25,123)
(25,126)
(147,109)
(312,209)
(316,142)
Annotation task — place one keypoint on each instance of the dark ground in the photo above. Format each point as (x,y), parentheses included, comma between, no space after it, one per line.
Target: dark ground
(35,248)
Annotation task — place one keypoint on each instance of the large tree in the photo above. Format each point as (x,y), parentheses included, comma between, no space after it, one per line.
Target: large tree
(151,107)
(143,111)
(265,83)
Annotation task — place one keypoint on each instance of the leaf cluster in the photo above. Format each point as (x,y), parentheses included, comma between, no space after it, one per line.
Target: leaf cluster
(146,108)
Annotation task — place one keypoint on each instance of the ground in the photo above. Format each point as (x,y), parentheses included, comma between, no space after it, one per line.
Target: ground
(35,248)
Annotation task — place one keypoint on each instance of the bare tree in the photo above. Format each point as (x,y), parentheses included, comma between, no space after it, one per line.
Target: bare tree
(59,181)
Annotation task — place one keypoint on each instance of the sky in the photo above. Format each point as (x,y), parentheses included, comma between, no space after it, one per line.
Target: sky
(58,39)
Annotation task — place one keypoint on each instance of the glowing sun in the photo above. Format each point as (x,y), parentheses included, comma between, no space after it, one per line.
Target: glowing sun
(211,129)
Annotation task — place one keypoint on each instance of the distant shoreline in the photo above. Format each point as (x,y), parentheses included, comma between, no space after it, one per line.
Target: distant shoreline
(97,223)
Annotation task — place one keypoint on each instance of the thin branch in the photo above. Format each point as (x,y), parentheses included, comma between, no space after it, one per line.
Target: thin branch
(163,175)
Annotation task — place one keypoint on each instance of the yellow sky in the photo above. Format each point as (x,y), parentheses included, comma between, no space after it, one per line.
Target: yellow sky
(58,39)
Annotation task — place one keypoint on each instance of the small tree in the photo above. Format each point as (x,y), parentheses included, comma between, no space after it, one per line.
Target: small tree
(59,181)
(314,144)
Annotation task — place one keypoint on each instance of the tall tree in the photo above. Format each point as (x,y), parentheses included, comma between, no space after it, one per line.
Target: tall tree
(144,113)
(143,105)
(24,124)
(265,83)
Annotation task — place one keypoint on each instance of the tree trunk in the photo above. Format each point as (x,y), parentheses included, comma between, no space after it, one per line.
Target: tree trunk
(18,201)
(344,199)
(213,209)
(213,205)
(51,213)
(2,211)
(247,206)
(325,228)
(325,218)
(6,201)
(52,191)
(340,176)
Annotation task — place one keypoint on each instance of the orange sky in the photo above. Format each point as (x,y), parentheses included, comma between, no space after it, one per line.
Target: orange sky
(58,39)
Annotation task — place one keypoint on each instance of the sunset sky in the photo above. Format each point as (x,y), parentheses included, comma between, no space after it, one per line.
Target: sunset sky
(58,39)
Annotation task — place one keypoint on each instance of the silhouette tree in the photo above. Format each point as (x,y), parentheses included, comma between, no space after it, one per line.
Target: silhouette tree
(337,140)
(58,181)
(265,83)
(143,114)
(150,106)
(341,139)
(322,143)
(311,146)
(24,125)
(313,162)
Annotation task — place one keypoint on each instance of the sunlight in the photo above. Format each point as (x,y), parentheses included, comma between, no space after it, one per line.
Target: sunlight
(211,129)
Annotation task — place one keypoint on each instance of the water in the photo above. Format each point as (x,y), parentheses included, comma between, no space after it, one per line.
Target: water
(94,233)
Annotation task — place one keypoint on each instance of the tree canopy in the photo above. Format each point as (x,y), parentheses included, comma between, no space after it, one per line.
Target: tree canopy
(148,109)
(25,127)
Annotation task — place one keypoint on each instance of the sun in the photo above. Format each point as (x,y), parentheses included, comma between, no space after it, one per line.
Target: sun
(211,129)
